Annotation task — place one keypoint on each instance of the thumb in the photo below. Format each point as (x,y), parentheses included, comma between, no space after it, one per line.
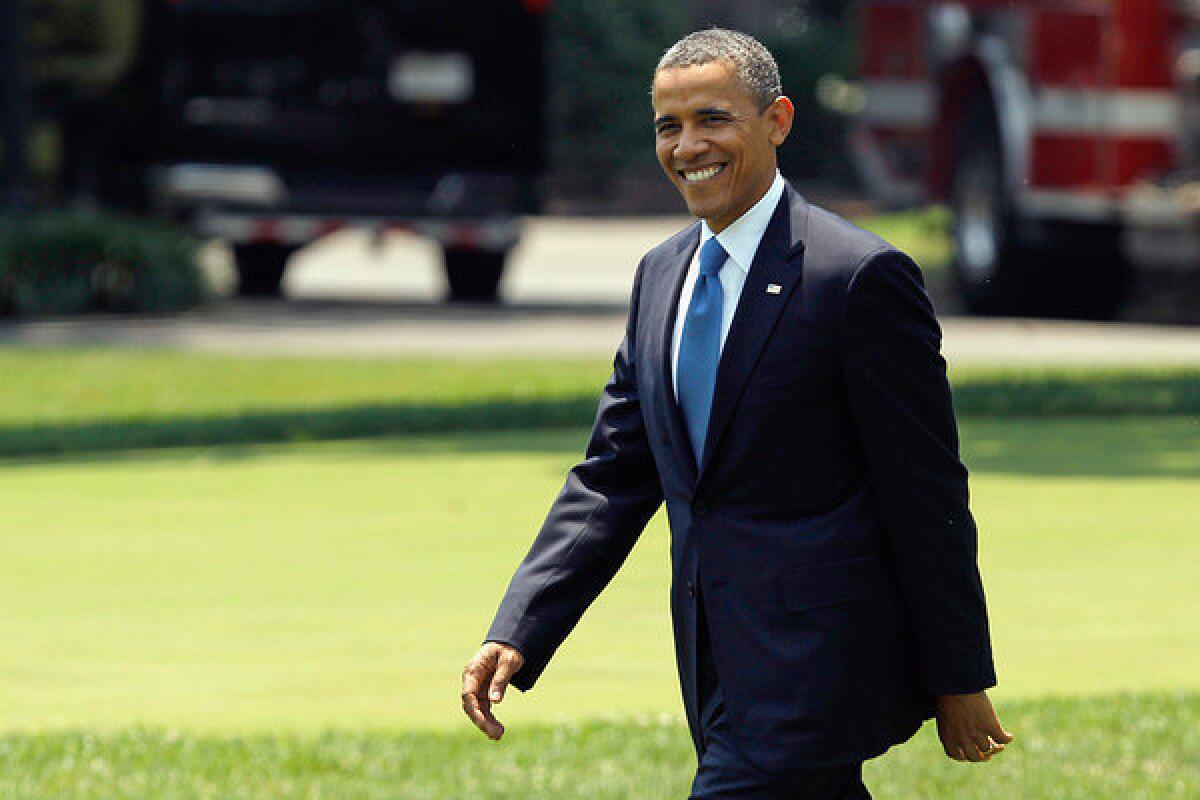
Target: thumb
(509,664)
(997,732)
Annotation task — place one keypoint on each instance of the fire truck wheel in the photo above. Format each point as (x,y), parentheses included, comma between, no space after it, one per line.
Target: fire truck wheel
(260,268)
(473,276)
(991,275)
(1001,267)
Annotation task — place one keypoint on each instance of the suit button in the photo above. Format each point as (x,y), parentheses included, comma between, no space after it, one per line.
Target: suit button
(700,508)
(691,588)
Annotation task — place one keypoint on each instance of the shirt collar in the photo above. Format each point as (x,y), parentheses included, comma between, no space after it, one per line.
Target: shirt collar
(742,237)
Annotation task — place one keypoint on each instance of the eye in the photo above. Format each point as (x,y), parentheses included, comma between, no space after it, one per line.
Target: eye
(667,127)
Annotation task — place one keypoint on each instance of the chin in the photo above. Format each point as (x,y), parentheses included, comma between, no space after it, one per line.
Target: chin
(699,208)
(708,213)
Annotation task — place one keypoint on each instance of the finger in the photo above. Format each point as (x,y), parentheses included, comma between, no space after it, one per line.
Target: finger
(989,748)
(971,752)
(990,725)
(480,712)
(477,708)
(998,734)
(508,666)
(470,680)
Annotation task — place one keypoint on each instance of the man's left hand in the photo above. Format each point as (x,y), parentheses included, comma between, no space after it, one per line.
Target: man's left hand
(968,727)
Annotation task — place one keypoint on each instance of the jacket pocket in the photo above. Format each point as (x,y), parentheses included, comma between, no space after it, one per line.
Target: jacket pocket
(834,583)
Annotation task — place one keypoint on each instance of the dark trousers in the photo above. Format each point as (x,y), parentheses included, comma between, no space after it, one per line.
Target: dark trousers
(723,772)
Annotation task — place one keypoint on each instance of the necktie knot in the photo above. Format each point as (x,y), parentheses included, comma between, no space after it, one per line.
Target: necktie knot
(712,257)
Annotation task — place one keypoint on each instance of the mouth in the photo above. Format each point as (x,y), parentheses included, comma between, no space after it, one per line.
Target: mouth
(701,174)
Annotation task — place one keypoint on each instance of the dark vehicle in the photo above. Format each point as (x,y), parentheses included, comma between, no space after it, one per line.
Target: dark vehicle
(270,123)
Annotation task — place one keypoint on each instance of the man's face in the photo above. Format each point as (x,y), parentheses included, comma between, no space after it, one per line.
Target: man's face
(713,141)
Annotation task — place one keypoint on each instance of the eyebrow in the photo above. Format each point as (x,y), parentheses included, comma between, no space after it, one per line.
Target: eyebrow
(699,113)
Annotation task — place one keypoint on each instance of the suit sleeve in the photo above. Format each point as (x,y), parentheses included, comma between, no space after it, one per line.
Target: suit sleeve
(601,511)
(900,399)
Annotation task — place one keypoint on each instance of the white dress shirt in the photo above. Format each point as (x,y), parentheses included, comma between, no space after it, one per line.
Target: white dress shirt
(740,240)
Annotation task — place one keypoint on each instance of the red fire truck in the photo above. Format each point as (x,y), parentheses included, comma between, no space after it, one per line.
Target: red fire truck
(1061,133)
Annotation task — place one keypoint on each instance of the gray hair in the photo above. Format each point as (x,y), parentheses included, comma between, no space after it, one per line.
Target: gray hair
(752,62)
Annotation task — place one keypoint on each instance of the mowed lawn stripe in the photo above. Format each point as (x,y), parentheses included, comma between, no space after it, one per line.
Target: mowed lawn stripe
(1092,748)
(69,401)
(300,587)
(43,385)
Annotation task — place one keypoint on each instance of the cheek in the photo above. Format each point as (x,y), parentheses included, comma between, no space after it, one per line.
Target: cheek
(664,155)
(749,164)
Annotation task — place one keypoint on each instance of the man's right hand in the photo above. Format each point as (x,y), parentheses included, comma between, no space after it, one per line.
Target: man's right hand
(484,681)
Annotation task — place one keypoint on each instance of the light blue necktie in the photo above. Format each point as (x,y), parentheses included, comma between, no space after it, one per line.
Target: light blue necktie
(700,346)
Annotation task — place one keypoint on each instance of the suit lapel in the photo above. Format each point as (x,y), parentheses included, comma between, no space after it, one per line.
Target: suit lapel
(772,278)
(675,274)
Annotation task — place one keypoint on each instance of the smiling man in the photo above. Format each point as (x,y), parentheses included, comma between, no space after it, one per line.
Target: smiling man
(710,136)
(780,386)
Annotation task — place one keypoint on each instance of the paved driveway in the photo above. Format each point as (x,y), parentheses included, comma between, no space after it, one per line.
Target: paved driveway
(566,294)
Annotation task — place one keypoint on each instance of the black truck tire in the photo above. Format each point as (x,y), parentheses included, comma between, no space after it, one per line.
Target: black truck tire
(991,270)
(473,276)
(1072,269)
(260,268)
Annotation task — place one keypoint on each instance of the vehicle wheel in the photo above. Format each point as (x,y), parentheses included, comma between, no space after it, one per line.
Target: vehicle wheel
(1071,269)
(260,268)
(988,266)
(473,275)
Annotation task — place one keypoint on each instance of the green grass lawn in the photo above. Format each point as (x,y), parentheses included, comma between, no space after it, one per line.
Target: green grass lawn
(922,233)
(73,400)
(47,386)
(306,586)
(104,399)
(282,591)
(1122,748)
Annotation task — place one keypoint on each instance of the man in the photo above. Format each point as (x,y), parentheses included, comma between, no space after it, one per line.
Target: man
(780,386)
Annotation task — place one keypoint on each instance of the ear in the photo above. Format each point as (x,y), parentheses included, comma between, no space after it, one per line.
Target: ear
(779,119)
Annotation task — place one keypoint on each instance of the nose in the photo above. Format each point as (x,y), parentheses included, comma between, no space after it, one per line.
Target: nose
(691,144)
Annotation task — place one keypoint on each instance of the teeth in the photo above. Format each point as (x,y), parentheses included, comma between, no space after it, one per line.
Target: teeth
(702,174)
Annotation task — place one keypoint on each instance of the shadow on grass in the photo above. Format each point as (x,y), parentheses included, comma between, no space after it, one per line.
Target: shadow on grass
(1163,447)
(276,426)
(1043,422)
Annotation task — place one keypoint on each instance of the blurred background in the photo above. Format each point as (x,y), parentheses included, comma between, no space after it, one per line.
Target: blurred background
(305,306)
(1045,156)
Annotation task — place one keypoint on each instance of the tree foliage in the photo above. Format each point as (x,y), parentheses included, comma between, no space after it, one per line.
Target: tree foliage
(602,58)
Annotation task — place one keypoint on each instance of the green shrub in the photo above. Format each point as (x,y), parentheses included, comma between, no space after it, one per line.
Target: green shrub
(601,59)
(67,263)
(807,47)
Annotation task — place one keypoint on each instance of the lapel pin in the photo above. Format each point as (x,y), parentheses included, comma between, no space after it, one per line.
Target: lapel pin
(774,288)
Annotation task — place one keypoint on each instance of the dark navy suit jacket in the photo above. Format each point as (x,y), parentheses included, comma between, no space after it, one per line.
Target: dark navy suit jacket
(826,527)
